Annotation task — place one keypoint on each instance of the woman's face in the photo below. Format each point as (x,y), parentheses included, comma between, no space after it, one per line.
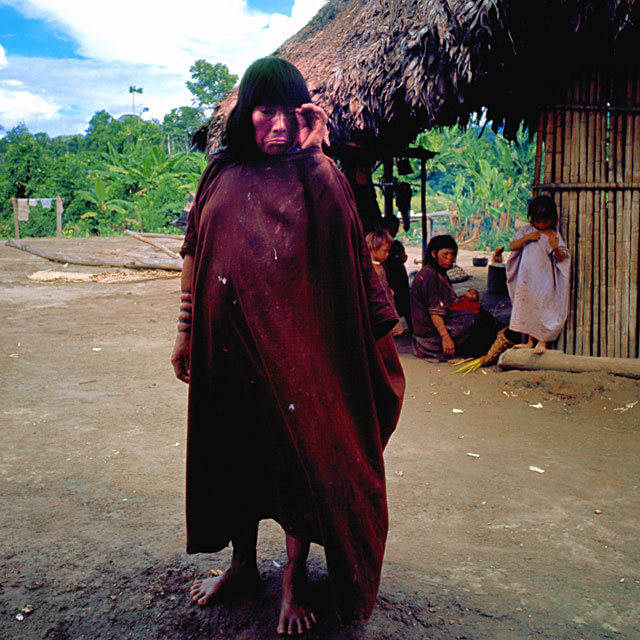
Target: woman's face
(276,128)
(445,258)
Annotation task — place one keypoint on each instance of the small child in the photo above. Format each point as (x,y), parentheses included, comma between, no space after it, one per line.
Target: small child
(538,277)
(379,242)
(396,272)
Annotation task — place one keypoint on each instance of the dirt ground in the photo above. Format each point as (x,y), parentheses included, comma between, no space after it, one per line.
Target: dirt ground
(480,546)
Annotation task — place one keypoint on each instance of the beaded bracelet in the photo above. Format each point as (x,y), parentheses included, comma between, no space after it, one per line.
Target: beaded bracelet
(184,316)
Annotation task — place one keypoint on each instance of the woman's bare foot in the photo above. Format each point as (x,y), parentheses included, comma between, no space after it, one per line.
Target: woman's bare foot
(234,581)
(295,618)
(541,347)
(525,345)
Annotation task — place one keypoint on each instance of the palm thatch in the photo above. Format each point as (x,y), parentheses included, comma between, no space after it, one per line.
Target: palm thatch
(385,70)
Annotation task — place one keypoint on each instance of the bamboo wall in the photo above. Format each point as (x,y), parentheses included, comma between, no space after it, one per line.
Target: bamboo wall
(589,158)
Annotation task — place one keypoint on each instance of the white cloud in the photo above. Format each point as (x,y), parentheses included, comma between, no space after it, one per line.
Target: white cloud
(17,105)
(169,34)
(76,89)
(146,43)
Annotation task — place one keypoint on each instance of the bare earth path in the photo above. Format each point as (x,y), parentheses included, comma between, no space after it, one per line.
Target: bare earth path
(92,470)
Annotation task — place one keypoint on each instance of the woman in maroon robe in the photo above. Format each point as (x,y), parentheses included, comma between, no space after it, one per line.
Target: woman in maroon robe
(294,382)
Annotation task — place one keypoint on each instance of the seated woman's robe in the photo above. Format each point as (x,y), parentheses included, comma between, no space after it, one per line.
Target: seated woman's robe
(473,330)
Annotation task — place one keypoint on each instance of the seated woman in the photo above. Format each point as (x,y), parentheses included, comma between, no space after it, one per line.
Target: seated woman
(444,324)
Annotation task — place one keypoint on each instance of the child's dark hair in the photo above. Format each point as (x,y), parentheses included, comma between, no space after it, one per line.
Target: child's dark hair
(268,81)
(543,208)
(391,223)
(378,238)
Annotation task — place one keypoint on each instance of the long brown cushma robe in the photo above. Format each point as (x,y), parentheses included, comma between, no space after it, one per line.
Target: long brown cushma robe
(295,382)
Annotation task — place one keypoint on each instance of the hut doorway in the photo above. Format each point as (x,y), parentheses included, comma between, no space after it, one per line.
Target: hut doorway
(589,157)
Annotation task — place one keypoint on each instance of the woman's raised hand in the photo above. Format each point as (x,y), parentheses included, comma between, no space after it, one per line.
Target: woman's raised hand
(312,125)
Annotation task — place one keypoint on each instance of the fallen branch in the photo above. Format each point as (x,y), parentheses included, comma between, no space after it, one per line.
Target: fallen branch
(157,245)
(170,264)
(169,236)
(473,238)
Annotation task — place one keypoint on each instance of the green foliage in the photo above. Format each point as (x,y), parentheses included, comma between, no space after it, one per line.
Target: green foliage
(123,172)
(209,83)
(106,213)
(130,172)
(122,134)
(117,176)
(179,125)
(481,177)
(24,165)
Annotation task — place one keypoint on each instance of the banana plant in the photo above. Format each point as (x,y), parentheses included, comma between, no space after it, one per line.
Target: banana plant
(106,209)
(143,168)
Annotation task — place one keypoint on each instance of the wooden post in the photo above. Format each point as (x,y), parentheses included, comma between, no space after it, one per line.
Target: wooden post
(604,264)
(634,310)
(59,210)
(573,239)
(627,310)
(588,136)
(620,244)
(596,175)
(548,149)
(16,228)
(566,340)
(423,206)
(388,188)
(539,138)
(611,236)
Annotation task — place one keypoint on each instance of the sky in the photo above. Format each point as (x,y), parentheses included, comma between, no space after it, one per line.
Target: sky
(61,61)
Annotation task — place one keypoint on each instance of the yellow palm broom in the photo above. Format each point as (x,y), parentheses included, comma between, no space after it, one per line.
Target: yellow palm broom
(500,344)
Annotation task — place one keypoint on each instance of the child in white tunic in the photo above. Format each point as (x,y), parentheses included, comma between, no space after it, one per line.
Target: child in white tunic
(538,277)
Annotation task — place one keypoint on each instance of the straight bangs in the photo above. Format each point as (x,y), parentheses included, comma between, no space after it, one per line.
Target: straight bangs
(267,82)
(278,86)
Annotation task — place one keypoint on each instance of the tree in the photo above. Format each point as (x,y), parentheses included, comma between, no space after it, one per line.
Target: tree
(210,82)
(133,90)
(122,134)
(25,164)
(103,128)
(179,125)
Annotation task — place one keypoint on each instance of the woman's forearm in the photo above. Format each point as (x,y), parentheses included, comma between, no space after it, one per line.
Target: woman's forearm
(185,315)
(187,273)
(438,323)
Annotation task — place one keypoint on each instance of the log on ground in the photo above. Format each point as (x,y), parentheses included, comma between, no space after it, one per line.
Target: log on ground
(526,359)
(127,262)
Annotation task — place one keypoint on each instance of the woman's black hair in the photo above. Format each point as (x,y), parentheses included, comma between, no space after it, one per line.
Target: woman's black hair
(439,242)
(543,208)
(268,81)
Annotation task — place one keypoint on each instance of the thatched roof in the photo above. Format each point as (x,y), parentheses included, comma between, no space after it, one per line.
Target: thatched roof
(385,70)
